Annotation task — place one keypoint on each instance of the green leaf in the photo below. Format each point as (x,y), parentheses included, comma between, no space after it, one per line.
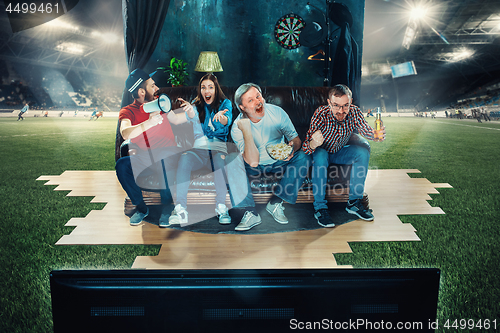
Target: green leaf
(177,71)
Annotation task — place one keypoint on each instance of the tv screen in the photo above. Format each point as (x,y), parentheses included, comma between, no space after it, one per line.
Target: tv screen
(244,300)
(404,69)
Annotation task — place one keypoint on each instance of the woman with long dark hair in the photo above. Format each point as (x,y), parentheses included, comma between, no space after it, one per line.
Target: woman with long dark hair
(213,116)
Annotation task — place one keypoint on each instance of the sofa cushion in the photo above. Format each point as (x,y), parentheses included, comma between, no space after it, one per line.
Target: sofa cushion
(300,104)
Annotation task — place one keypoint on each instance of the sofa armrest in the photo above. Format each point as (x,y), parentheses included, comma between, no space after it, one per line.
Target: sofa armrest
(128,148)
(358,140)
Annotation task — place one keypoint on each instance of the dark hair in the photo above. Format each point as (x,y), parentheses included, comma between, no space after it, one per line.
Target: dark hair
(199,101)
(340,90)
(135,94)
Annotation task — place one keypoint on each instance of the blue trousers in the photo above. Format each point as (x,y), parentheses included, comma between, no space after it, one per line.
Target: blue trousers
(355,155)
(294,172)
(239,187)
(196,159)
(163,161)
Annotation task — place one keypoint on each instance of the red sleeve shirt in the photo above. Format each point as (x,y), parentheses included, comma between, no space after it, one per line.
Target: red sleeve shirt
(157,136)
(335,133)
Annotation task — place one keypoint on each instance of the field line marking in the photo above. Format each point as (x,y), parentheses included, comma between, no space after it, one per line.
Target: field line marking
(442,122)
(49,134)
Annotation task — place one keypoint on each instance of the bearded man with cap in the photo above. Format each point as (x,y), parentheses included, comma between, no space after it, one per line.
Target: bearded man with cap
(153,135)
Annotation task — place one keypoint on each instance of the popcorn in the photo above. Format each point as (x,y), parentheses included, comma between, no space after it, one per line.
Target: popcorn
(279,151)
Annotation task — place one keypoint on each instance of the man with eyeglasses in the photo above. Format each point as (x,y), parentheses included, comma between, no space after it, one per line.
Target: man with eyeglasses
(330,129)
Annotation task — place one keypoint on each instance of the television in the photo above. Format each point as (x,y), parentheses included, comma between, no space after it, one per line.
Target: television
(403,69)
(244,300)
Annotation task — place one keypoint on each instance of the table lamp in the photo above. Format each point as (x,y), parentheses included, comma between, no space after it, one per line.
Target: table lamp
(209,62)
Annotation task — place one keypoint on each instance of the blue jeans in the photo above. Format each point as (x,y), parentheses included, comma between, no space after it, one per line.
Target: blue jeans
(239,187)
(355,155)
(196,159)
(164,161)
(294,172)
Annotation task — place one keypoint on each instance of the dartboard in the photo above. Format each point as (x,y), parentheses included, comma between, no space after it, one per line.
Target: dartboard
(287,30)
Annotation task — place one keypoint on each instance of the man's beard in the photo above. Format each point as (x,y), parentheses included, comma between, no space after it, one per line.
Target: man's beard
(149,97)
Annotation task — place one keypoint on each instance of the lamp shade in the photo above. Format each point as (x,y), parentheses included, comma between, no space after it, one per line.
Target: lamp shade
(208,61)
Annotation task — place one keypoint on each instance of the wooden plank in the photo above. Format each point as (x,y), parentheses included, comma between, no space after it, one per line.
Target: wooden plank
(391,193)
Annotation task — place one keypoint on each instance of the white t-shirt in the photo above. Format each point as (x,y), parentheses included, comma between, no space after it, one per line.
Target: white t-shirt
(271,129)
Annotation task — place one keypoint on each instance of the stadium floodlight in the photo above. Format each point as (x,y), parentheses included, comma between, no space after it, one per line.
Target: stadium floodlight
(110,38)
(411,31)
(73,48)
(58,24)
(107,37)
(461,54)
(418,13)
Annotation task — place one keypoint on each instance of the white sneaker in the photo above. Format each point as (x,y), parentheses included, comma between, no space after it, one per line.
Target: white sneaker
(248,221)
(179,215)
(222,211)
(277,211)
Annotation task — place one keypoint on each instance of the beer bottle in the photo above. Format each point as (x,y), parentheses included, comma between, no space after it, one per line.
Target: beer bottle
(378,127)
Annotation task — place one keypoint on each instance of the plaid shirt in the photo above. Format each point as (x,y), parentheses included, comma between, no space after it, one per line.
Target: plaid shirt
(335,133)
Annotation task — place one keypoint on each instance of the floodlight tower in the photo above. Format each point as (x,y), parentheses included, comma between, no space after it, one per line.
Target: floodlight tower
(382,99)
(416,14)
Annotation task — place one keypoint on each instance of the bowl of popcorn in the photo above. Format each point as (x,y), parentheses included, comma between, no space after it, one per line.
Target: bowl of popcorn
(279,151)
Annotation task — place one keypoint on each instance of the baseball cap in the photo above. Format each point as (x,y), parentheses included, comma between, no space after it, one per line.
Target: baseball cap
(136,78)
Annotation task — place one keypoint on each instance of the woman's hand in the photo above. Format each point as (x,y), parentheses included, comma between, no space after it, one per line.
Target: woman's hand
(221,117)
(187,107)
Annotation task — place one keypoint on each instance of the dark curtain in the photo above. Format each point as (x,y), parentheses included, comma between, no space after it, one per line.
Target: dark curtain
(345,69)
(142,25)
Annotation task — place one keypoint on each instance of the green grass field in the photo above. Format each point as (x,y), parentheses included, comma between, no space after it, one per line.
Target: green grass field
(463,243)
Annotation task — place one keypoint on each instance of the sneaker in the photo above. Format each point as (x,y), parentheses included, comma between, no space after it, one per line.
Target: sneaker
(357,208)
(164,218)
(179,215)
(138,216)
(222,212)
(277,211)
(248,221)
(324,219)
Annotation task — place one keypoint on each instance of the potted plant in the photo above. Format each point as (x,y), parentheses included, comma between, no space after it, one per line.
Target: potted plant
(177,72)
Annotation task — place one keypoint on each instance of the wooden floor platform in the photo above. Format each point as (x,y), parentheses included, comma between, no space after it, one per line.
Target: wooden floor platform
(208,198)
(391,193)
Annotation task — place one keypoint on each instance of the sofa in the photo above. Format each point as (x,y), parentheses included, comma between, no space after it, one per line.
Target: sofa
(298,102)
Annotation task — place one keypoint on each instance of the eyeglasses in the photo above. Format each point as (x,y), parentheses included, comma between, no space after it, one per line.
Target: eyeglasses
(337,107)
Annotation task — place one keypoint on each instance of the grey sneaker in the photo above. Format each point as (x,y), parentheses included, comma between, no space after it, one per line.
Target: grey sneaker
(137,218)
(179,215)
(248,221)
(277,211)
(357,208)
(222,212)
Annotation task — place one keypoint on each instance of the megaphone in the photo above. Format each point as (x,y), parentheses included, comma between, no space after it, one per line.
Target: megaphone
(162,103)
